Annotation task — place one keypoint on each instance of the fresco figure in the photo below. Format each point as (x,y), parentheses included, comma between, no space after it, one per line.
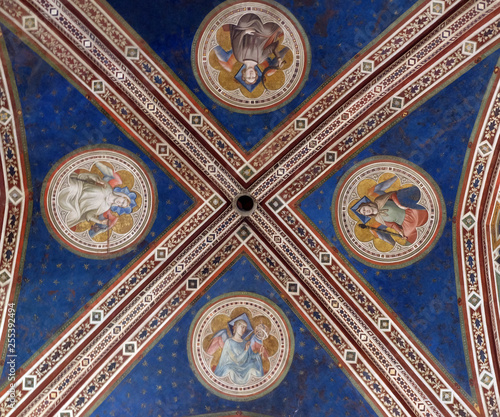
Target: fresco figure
(241,357)
(398,210)
(94,199)
(253,43)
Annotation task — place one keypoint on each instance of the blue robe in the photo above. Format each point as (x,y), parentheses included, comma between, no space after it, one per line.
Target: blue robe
(238,363)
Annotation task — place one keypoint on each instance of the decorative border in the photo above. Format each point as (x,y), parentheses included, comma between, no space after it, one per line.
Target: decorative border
(15,200)
(471,260)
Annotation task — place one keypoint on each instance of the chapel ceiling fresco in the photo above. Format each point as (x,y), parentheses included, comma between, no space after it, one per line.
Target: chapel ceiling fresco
(250,208)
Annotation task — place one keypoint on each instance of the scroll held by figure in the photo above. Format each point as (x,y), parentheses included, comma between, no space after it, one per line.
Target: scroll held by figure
(241,346)
(99,202)
(253,58)
(387,212)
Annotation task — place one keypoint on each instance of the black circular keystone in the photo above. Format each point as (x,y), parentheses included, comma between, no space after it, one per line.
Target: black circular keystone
(245,203)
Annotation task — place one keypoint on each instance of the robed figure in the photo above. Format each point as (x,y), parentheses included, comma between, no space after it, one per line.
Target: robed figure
(94,199)
(398,210)
(242,353)
(253,43)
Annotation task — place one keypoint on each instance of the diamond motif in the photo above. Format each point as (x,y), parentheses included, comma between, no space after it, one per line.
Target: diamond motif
(469,47)
(98,86)
(397,103)
(469,221)
(293,288)
(276,204)
(85,362)
(446,396)
(151,107)
(87,44)
(120,75)
(160,254)
(53,395)
(246,172)
(117,330)
(243,232)
(132,53)
(29,382)
(325,258)
(4,116)
(215,202)
(4,278)
(53,11)
(129,348)
(367,66)
(300,124)
(66,413)
(350,356)
(392,372)
(437,8)
(30,23)
(179,268)
(485,148)
(15,195)
(486,379)
(446,34)
(96,316)
(196,120)
(162,149)
(384,324)
(474,300)
(192,284)
(330,157)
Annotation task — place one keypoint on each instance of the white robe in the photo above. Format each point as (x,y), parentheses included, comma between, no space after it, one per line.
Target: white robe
(83,200)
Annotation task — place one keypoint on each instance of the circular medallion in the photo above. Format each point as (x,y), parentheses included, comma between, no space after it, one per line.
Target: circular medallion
(250,56)
(240,346)
(388,212)
(99,202)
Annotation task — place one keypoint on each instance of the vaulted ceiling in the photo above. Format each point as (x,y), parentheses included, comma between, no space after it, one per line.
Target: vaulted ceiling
(103,315)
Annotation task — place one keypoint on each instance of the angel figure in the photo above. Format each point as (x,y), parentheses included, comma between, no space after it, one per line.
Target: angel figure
(94,199)
(242,353)
(398,210)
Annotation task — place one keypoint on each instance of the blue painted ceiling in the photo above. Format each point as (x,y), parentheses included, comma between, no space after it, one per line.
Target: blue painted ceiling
(58,120)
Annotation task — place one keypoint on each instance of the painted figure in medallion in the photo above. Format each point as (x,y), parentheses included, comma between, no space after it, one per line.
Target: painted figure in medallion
(251,56)
(391,213)
(97,199)
(241,355)
(387,211)
(256,46)
(240,346)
